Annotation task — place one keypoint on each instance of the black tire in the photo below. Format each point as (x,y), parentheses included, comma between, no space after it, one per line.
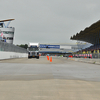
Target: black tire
(29,57)
(37,57)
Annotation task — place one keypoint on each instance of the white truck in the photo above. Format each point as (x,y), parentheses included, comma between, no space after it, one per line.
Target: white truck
(33,50)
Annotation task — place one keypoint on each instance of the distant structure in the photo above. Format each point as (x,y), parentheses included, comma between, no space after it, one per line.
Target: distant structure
(6,32)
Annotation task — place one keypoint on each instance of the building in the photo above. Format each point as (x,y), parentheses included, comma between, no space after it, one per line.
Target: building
(90,35)
(6,32)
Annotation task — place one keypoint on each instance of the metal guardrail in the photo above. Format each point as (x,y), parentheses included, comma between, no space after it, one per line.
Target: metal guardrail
(11,48)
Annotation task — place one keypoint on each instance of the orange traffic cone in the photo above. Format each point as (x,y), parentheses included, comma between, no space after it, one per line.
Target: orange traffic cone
(47,57)
(50,59)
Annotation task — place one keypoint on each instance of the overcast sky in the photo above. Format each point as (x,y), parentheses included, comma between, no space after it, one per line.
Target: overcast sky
(49,21)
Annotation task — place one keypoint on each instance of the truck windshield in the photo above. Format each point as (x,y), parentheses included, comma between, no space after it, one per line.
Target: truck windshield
(33,49)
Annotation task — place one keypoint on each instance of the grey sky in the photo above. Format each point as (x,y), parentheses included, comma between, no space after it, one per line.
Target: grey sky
(49,21)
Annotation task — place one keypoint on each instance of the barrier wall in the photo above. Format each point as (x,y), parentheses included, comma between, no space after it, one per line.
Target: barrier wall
(7,47)
(9,51)
(92,55)
(10,55)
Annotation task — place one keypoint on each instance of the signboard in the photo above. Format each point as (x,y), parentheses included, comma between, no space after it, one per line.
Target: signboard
(50,46)
(33,46)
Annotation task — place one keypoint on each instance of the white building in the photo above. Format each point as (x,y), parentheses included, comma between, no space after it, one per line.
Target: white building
(6,32)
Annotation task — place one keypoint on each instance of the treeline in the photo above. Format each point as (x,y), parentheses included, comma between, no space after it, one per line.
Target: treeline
(93,29)
(23,46)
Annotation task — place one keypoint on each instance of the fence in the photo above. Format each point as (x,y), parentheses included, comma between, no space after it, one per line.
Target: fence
(11,48)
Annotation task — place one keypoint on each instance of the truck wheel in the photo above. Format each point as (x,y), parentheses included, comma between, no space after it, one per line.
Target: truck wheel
(29,57)
(37,57)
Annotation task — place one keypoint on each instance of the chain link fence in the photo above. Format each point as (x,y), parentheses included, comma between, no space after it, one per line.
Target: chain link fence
(11,48)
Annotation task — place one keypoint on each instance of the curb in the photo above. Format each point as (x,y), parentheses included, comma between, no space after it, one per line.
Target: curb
(91,61)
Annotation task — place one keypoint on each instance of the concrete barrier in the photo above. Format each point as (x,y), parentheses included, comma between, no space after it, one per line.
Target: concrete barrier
(10,55)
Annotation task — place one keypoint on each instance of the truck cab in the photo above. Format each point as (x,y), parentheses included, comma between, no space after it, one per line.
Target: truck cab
(33,50)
